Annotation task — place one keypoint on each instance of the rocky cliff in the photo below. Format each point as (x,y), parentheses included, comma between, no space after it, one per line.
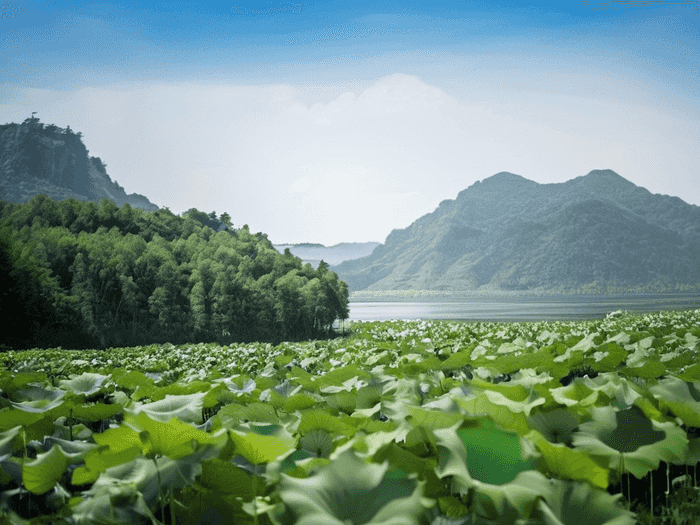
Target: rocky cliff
(37,158)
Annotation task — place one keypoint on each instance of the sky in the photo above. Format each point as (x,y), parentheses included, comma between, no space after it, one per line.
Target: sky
(339,121)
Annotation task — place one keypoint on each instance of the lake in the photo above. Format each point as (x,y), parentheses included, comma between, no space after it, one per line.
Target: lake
(545,308)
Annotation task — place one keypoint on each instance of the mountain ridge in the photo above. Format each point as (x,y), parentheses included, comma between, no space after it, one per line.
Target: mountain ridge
(36,158)
(510,233)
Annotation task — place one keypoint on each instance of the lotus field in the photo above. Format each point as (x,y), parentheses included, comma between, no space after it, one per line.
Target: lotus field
(400,422)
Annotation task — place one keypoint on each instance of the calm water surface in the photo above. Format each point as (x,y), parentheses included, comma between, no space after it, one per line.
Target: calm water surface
(522,308)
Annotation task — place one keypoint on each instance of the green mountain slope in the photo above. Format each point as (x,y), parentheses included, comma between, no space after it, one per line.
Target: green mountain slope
(511,233)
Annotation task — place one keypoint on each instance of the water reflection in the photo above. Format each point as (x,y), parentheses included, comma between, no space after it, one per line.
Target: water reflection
(522,308)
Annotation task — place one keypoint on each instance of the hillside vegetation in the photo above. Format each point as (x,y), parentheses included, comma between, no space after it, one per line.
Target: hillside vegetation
(507,233)
(80,274)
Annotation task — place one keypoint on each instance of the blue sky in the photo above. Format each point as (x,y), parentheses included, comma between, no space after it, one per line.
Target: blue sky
(340,121)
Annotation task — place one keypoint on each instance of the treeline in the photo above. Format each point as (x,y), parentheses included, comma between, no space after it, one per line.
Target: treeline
(84,275)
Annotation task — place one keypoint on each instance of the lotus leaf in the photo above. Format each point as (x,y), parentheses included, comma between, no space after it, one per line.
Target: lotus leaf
(351,491)
(630,441)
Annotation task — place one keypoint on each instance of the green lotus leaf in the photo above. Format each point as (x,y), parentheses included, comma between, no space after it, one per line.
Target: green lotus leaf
(8,440)
(404,461)
(258,449)
(575,393)
(318,419)
(69,447)
(481,451)
(564,463)
(11,382)
(118,505)
(87,384)
(622,392)
(12,417)
(350,490)
(299,402)
(100,459)
(691,373)
(224,476)
(576,503)
(367,445)
(38,399)
(503,415)
(150,477)
(432,419)
(629,441)
(647,369)
(680,397)
(317,442)
(174,439)
(693,455)
(232,414)
(556,425)
(511,503)
(41,474)
(187,408)
(524,406)
(96,411)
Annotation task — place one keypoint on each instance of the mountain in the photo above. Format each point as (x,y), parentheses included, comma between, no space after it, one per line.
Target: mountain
(35,159)
(511,233)
(315,253)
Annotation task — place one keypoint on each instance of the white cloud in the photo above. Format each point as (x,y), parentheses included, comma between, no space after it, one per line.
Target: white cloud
(359,165)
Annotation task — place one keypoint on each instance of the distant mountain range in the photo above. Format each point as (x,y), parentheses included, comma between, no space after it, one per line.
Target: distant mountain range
(315,253)
(37,158)
(599,232)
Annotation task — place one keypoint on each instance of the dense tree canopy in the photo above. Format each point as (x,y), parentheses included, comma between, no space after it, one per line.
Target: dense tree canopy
(79,274)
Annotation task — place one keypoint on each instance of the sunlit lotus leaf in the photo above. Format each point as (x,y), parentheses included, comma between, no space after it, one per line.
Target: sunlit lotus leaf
(680,397)
(259,449)
(86,384)
(564,463)
(41,474)
(96,411)
(575,393)
(622,392)
(648,369)
(630,441)
(432,419)
(350,490)
(504,416)
(457,361)
(576,503)
(10,382)
(691,373)
(187,408)
(174,439)
(524,406)
(240,386)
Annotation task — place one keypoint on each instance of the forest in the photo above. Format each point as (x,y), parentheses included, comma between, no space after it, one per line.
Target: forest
(84,275)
